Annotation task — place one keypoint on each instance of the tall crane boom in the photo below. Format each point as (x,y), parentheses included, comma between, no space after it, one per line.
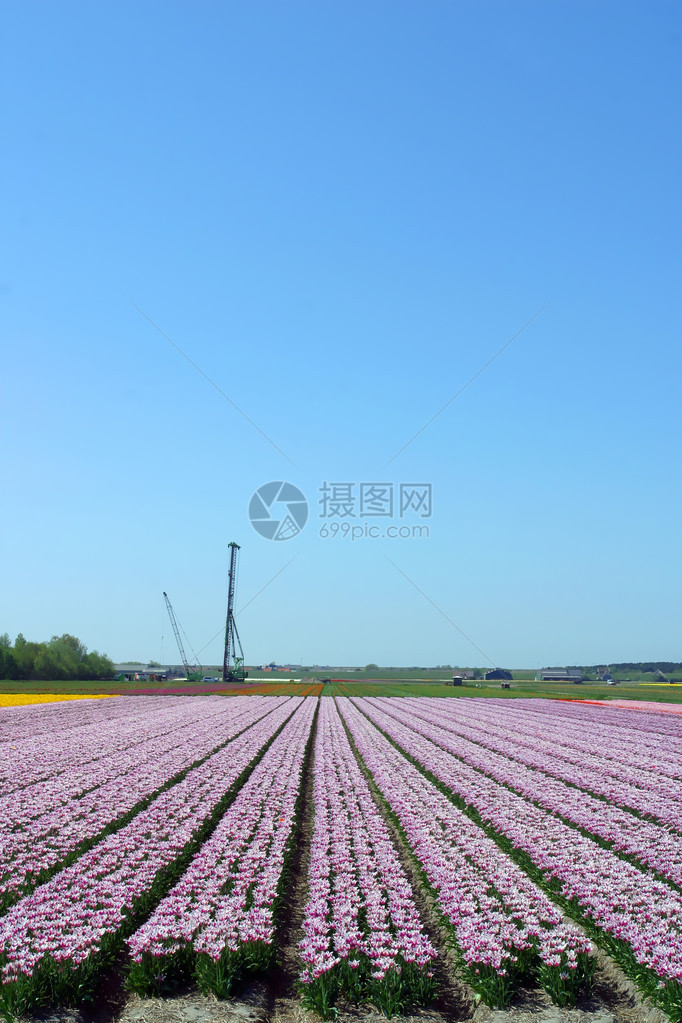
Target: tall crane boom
(233,662)
(171,614)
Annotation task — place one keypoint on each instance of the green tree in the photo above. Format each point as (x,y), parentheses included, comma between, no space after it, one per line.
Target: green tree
(25,654)
(47,665)
(60,658)
(99,665)
(8,666)
(64,657)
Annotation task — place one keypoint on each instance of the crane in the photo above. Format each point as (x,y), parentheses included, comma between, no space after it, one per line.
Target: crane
(233,662)
(193,676)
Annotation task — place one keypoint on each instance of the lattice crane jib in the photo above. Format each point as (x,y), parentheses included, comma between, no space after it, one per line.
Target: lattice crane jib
(193,675)
(178,638)
(233,660)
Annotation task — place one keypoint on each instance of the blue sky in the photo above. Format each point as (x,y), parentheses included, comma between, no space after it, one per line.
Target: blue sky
(340,213)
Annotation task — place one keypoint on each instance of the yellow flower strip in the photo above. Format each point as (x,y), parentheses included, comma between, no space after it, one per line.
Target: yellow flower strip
(19,699)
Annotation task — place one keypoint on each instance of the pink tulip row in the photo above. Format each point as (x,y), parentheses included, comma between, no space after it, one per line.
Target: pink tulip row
(502,923)
(77,806)
(362,928)
(78,740)
(77,917)
(601,740)
(656,724)
(658,798)
(30,720)
(601,750)
(224,904)
(596,733)
(649,742)
(143,735)
(648,842)
(24,805)
(620,900)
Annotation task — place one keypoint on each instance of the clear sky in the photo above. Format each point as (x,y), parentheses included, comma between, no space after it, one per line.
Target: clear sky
(340,213)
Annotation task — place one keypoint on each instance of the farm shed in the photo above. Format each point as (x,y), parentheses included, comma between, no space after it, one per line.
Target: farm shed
(560,675)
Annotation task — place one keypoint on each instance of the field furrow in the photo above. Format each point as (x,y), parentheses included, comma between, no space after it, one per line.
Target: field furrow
(643,792)
(63,820)
(218,922)
(37,757)
(636,917)
(55,942)
(593,734)
(363,935)
(647,842)
(504,928)
(190,843)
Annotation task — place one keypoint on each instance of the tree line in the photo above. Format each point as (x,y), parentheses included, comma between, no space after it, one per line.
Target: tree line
(640,666)
(63,657)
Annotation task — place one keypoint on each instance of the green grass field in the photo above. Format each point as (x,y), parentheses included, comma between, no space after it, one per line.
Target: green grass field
(518,688)
(78,687)
(393,686)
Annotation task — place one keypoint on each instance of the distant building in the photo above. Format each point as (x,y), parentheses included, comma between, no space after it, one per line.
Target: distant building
(137,672)
(560,675)
(499,673)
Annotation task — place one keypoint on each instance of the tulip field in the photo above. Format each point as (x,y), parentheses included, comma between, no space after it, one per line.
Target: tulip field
(378,844)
